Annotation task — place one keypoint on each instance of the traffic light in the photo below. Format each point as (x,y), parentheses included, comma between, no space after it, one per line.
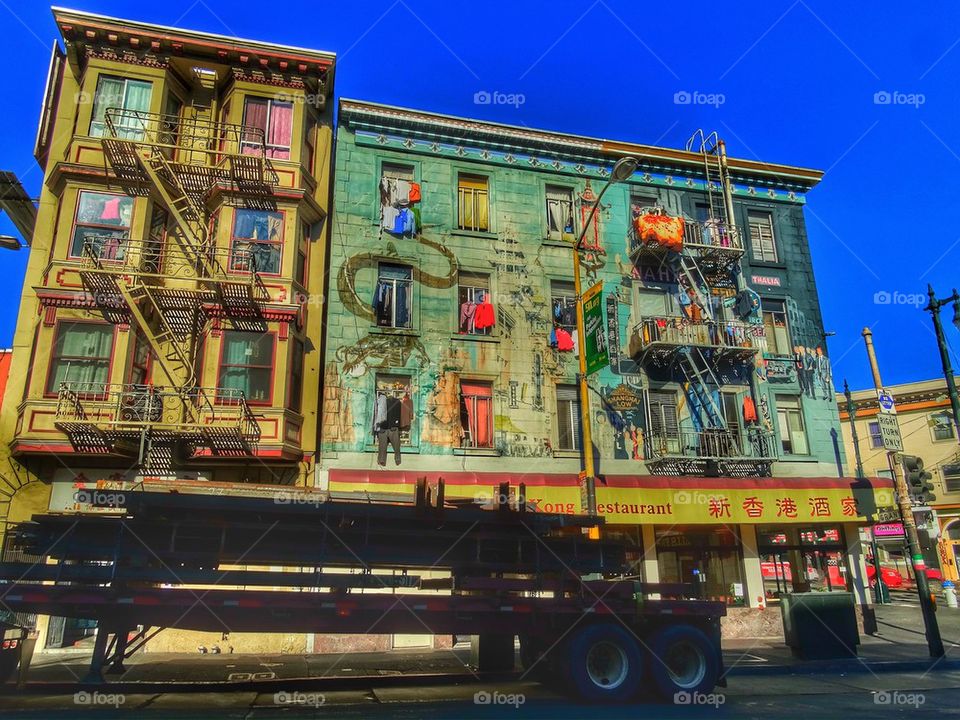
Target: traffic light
(918,480)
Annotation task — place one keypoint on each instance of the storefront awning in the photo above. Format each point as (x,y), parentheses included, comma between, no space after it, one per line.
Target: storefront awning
(658,500)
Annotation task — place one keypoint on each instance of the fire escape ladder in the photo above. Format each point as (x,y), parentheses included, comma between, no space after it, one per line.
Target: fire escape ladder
(701,379)
(690,271)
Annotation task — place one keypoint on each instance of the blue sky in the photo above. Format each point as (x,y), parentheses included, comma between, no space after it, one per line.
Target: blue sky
(798,82)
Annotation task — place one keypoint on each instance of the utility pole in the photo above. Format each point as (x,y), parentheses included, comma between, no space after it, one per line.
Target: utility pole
(933,307)
(852,416)
(931,629)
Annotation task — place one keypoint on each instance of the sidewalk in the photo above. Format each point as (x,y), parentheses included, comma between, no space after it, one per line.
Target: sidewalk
(899,646)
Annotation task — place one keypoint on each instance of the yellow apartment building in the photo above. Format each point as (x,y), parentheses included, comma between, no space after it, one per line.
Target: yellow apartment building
(170,322)
(929,432)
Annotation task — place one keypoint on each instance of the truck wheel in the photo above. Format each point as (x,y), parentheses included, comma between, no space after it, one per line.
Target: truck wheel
(683,660)
(604,663)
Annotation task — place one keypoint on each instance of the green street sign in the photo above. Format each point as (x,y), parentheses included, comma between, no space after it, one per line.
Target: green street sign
(594,329)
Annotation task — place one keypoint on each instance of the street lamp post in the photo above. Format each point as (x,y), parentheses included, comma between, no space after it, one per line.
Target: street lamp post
(622,170)
(933,307)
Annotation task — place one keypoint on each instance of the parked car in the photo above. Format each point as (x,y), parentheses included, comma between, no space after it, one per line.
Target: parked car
(891,577)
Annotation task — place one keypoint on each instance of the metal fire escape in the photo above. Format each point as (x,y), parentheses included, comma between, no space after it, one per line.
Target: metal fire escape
(695,345)
(169,286)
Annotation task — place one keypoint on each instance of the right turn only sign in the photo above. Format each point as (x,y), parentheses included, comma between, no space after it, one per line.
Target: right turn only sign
(887,420)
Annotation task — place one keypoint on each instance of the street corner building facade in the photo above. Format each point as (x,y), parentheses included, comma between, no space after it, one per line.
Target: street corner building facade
(451,347)
(170,325)
(929,431)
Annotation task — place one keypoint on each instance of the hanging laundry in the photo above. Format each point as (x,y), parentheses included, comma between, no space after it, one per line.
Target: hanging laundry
(406,412)
(663,230)
(416,218)
(468,311)
(382,304)
(386,193)
(553,338)
(573,341)
(401,222)
(414,192)
(388,217)
(379,412)
(564,340)
(402,194)
(409,221)
(749,410)
(485,316)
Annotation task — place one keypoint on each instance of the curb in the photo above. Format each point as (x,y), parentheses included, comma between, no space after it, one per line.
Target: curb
(845,666)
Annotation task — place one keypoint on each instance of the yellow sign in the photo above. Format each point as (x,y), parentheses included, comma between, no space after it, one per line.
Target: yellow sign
(687,505)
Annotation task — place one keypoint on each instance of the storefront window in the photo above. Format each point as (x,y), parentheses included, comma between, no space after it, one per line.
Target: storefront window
(802,559)
(709,561)
(631,537)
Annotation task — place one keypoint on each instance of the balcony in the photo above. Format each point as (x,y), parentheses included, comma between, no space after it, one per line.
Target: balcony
(99,417)
(661,337)
(716,451)
(715,248)
(202,152)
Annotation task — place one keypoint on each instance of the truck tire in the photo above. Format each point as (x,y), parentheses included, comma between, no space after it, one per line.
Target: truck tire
(683,660)
(603,663)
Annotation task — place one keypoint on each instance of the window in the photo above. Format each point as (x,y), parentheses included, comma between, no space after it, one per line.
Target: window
(793,436)
(951,477)
(476,413)
(775,327)
(295,401)
(170,126)
(81,357)
(563,304)
(663,415)
(396,171)
(942,426)
(257,241)
(568,417)
(731,412)
(275,119)
(473,289)
(102,225)
(876,439)
(708,563)
(310,147)
(247,365)
(398,387)
(140,361)
(393,299)
(560,224)
(300,272)
(473,203)
(129,96)
(761,236)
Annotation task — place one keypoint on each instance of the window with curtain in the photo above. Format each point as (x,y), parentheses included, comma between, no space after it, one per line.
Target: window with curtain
(793,434)
(275,119)
(81,357)
(473,202)
(876,438)
(476,413)
(393,298)
(257,240)
(568,418)
(775,327)
(247,364)
(762,240)
(472,289)
(103,223)
(132,96)
(560,224)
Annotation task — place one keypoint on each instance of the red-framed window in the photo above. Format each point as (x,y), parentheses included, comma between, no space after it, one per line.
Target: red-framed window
(141,360)
(275,118)
(257,241)
(102,220)
(82,357)
(476,413)
(300,271)
(247,360)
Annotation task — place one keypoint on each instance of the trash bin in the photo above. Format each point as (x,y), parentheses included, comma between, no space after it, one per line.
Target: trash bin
(820,625)
(881,593)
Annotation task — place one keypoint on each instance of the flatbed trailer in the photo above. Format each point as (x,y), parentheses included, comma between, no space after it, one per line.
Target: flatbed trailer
(162,558)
